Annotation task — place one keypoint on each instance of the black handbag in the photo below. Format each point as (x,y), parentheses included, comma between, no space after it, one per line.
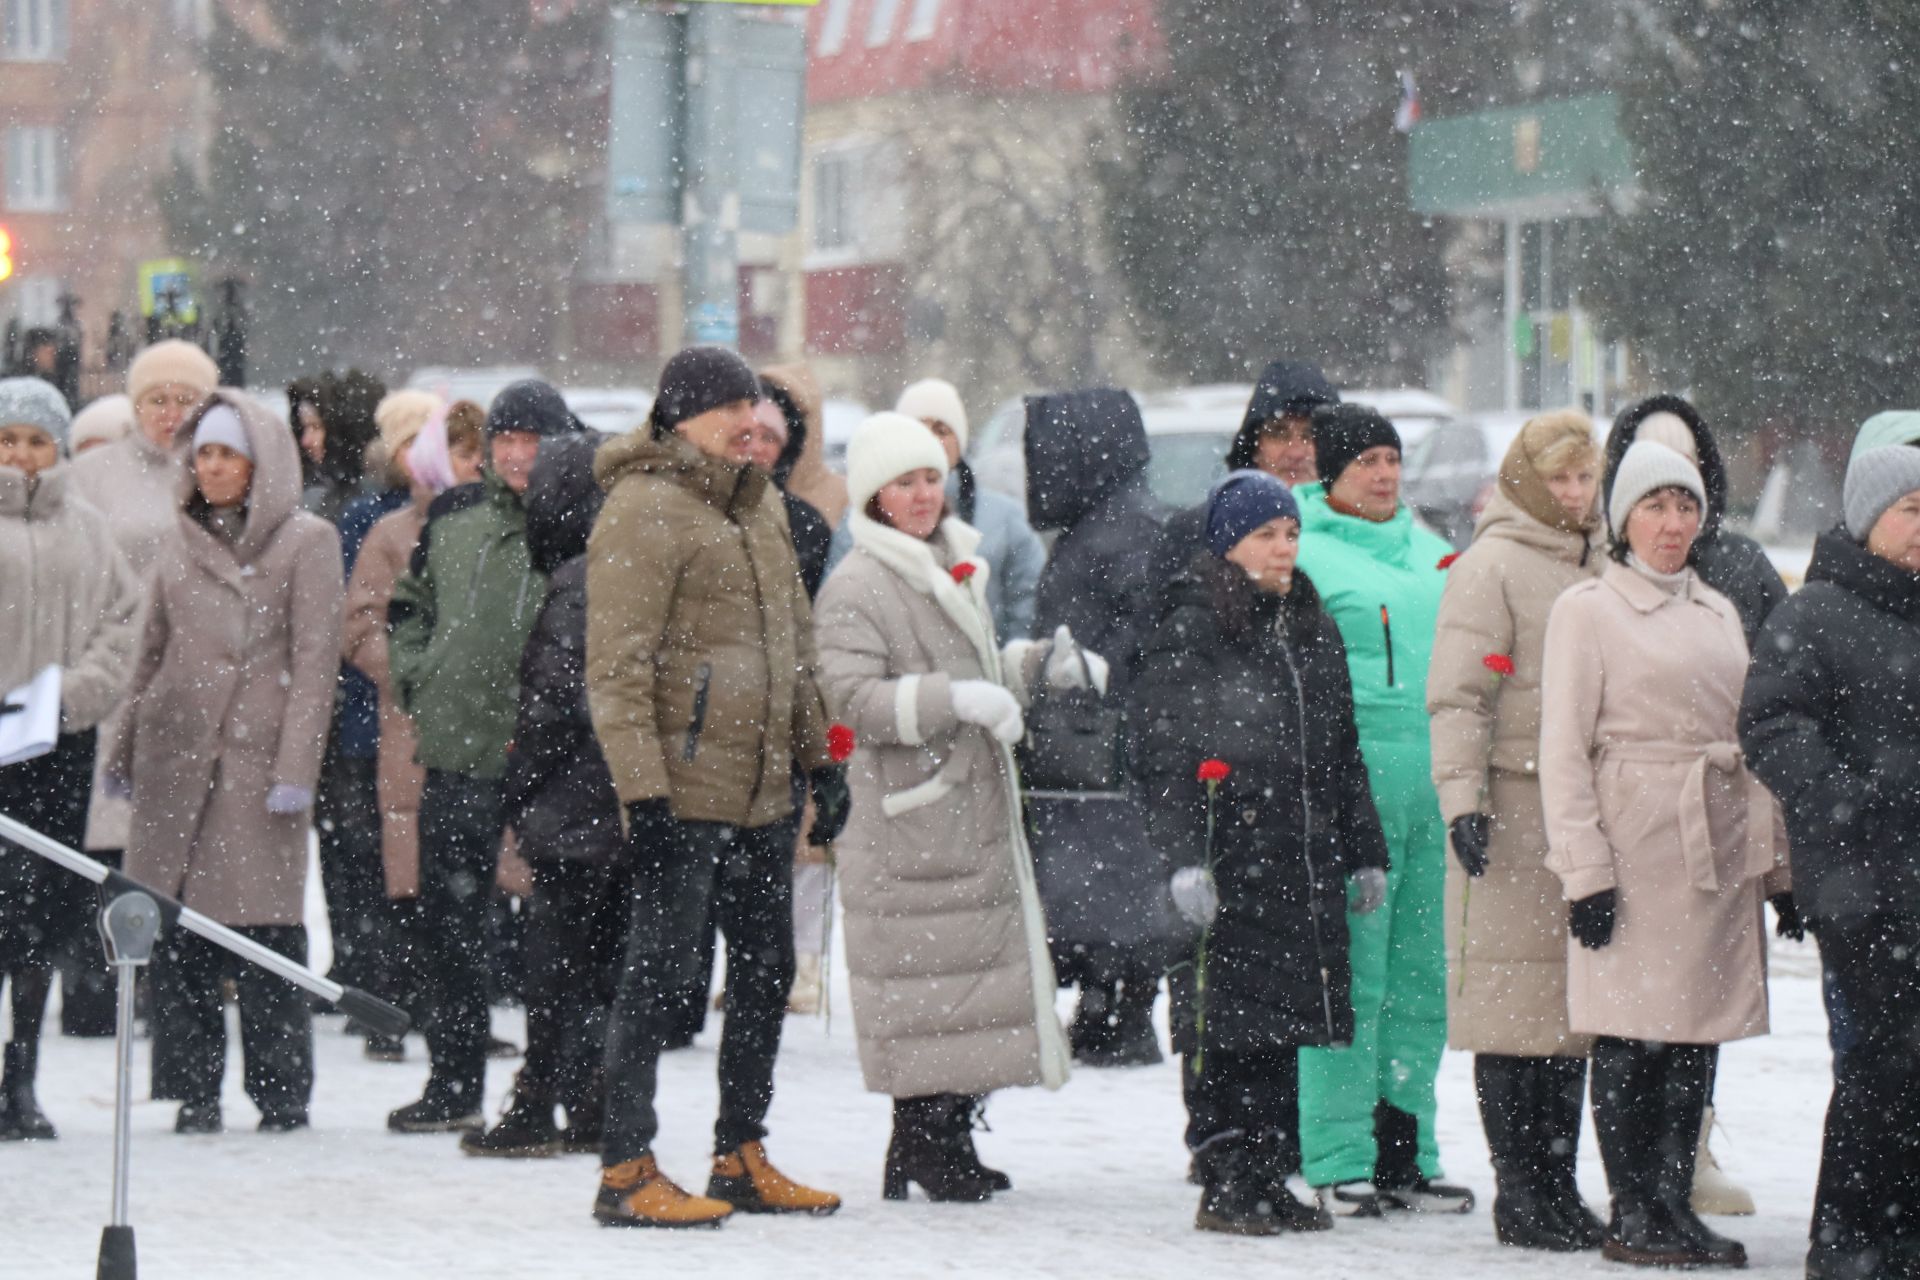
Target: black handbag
(1075,740)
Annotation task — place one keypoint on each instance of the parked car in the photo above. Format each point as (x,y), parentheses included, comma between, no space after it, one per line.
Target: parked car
(613,410)
(838,418)
(1449,474)
(1413,412)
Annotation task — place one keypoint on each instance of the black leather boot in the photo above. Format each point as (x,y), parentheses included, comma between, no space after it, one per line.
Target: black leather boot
(1562,1100)
(1510,1091)
(21,1119)
(1628,1114)
(973,1114)
(926,1148)
(1683,1101)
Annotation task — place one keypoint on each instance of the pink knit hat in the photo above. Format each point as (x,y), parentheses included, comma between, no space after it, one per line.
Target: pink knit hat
(429,459)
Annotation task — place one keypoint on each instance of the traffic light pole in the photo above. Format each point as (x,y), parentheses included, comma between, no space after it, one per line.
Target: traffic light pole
(710,199)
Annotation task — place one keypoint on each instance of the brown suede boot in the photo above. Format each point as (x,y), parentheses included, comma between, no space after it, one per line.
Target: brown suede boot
(746,1180)
(637,1194)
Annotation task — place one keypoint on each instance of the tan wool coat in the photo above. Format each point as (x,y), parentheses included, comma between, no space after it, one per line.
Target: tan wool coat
(132,483)
(232,693)
(383,558)
(700,659)
(946,945)
(69,597)
(1647,793)
(1506,929)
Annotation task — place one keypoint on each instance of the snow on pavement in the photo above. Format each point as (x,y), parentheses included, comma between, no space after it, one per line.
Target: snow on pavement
(1098,1171)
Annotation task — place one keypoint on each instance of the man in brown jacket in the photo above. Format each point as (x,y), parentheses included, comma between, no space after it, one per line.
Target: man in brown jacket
(700,680)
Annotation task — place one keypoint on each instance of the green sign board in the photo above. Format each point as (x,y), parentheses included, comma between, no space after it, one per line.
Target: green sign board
(1541,160)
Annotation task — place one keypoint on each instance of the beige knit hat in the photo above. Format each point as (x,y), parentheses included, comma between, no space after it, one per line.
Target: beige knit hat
(103,421)
(171,361)
(937,400)
(400,415)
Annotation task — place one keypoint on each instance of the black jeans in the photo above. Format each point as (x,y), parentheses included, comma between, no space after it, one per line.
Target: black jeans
(346,817)
(745,874)
(1870,1159)
(576,923)
(461,822)
(276,1024)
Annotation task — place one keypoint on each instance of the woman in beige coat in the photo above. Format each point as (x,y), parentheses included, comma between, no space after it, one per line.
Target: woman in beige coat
(946,947)
(1506,925)
(1665,846)
(220,747)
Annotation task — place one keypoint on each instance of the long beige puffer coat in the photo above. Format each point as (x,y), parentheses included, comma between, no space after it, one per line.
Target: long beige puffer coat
(946,946)
(1647,793)
(1506,929)
(232,694)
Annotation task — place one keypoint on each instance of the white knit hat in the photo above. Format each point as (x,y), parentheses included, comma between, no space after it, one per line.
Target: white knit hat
(1646,467)
(1671,430)
(935,400)
(886,447)
(221,425)
(105,420)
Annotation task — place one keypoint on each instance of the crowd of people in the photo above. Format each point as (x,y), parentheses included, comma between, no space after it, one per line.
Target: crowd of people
(1350,797)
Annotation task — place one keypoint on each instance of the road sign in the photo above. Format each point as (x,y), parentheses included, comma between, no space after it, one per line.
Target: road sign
(166,284)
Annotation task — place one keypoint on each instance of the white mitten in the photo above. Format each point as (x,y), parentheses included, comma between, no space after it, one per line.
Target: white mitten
(1065,670)
(986,704)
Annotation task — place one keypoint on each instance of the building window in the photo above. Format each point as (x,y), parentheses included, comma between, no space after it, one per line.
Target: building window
(833,27)
(924,20)
(36,300)
(880,22)
(856,202)
(193,18)
(36,169)
(36,30)
(835,175)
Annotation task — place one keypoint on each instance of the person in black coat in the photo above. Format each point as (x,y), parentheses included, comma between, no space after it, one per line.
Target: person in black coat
(1275,436)
(780,434)
(1101,879)
(559,798)
(1246,669)
(1828,721)
(1730,563)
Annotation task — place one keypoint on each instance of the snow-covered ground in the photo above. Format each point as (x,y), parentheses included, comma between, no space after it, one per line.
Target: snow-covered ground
(1098,1169)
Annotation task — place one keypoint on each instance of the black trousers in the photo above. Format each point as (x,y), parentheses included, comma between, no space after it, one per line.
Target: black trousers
(1870,1158)
(1252,1094)
(576,925)
(276,1024)
(745,875)
(46,912)
(461,822)
(346,817)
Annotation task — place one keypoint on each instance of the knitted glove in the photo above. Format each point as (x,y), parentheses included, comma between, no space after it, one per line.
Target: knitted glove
(1366,891)
(1590,920)
(986,704)
(1789,924)
(832,804)
(1470,843)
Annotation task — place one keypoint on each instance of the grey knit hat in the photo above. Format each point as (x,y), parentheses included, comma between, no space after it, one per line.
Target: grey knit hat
(1645,468)
(1876,480)
(29,402)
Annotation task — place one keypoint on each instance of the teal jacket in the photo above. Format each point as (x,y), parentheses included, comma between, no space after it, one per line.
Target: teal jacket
(457,624)
(1381,583)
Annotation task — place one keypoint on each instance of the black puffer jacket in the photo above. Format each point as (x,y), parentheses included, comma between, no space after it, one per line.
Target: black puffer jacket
(812,535)
(1101,879)
(1260,682)
(559,794)
(1830,721)
(1285,386)
(1730,563)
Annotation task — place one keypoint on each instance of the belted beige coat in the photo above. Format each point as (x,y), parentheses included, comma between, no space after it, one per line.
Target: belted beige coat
(1647,793)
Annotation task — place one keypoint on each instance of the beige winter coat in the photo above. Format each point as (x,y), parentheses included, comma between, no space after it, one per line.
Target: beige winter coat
(1506,929)
(1646,793)
(946,947)
(132,483)
(383,558)
(232,694)
(70,598)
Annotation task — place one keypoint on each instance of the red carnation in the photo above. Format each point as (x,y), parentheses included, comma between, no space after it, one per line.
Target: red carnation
(963,571)
(1212,771)
(840,743)
(1498,663)
(1446,562)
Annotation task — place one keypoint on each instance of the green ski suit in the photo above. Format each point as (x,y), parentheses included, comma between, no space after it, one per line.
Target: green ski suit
(1381,583)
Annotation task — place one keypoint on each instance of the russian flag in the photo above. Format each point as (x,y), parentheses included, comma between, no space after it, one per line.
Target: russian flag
(1407,114)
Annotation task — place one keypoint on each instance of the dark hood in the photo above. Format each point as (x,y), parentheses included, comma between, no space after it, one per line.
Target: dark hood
(562,499)
(1881,583)
(796,418)
(1081,447)
(346,404)
(1713,471)
(1285,386)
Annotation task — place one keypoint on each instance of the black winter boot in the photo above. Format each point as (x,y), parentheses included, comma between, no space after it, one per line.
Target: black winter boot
(1135,1042)
(926,1148)
(1683,1101)
(1397,1180)
(1563,1099)
(21,1119)
(1627,1115)
(1245,1193)
(1090,1034)
(1510,1091)
(973,1115)
(526,1130)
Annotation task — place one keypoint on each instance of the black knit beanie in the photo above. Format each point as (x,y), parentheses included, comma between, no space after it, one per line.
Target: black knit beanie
(698,379)
(1342,432)
(532,406)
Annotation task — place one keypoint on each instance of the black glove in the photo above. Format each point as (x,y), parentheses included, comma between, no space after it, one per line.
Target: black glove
(651,829)
(832,803)
(1591,919)
(1470,843)
(1789,924)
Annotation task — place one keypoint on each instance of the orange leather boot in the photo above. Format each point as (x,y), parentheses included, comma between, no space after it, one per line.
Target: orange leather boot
(746,1180)
(637,1194)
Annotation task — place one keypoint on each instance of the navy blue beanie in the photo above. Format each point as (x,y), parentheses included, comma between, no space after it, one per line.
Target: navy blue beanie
(1243,502)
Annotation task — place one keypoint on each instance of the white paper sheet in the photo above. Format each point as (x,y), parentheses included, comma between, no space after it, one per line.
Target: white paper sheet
(30,718)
